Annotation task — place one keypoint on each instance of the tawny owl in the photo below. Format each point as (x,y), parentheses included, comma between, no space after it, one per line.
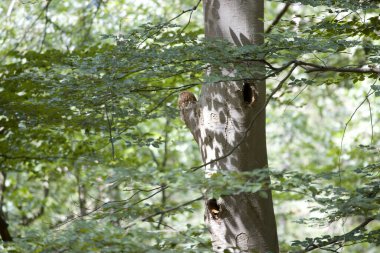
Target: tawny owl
(185,98)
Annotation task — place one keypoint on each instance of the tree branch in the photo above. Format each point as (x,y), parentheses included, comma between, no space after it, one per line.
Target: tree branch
(191,10)
(172,209)
(4,232)
(46,9)
(26,157)
(345,129)
(163,165)
(146,218)
(278,18)
(81,188)
(371,118)
(28,220)
(311,67)
(73,217)
(191,14)
(2,188)
(337,239)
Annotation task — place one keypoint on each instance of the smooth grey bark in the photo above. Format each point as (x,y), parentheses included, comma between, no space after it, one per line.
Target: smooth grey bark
(221,121)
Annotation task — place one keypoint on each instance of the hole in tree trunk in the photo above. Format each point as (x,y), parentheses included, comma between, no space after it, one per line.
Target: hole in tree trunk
(213,208)
(247,93)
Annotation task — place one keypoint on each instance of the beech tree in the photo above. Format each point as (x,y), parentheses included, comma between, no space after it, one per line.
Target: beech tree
(228,123)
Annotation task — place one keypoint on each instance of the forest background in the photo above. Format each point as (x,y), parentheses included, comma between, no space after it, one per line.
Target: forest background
(94,156)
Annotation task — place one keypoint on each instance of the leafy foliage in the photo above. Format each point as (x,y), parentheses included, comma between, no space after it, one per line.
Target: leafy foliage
(95,159)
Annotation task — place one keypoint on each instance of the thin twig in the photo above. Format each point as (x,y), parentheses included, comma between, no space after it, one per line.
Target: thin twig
(311,67)
(74,217)
(26,157)
(371,118)
(278,18)
(344,132)
(158,88)
(172,209)
(25,220)
(110,132)
(191,14)
(88,30)
(192,9)
(46,9)
(146,218)
(27,32)
(162,188)
(297,95)
(163,165)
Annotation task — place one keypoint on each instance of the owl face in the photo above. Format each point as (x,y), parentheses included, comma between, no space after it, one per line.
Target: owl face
(186,98)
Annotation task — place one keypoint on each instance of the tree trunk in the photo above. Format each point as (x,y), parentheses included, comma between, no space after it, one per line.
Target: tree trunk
(4,233)
(221,122)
